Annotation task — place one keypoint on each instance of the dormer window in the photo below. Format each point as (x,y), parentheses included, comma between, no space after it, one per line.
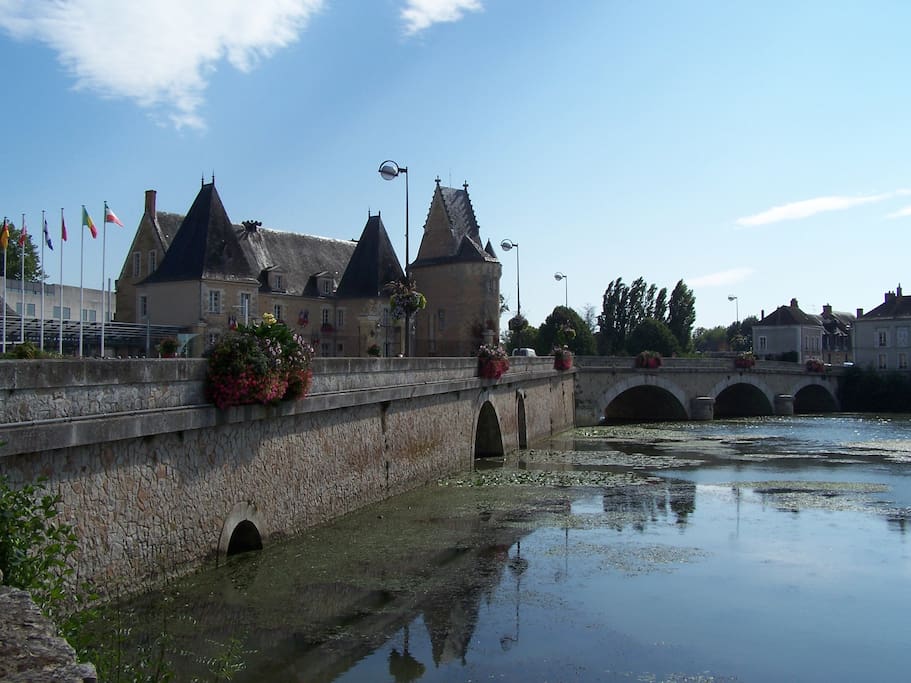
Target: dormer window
(278,281)
(327,286)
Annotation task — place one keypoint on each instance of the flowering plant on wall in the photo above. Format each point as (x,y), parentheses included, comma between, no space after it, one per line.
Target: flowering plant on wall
(374,350)
(815,365)
(167,347)
(404,298)
(492,361)
(260,363)
(648,359)
(745,360)
(563,358)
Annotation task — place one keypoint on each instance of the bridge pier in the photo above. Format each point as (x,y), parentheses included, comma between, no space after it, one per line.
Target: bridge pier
(784,404)
(702,408)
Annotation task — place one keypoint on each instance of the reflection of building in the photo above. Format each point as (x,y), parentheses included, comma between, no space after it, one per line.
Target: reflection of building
(205,274)
(882,337)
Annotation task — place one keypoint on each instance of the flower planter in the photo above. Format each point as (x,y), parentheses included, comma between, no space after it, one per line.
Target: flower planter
(648,359)
(492,369)
(744,363)
(564,362)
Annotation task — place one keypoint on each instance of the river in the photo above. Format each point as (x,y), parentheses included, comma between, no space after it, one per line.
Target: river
(760,549)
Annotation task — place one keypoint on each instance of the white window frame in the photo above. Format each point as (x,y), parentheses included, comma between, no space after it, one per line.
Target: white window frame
(153,261)
(213,301)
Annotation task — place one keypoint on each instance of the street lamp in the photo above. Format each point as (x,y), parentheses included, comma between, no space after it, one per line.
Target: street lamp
(390,170)
(560,276)
(736,308)
(507,245)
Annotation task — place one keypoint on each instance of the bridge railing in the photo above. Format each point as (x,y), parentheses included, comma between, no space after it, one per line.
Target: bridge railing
(688,364)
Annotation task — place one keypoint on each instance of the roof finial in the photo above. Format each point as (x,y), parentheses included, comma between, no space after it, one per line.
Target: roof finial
(438,180)
(202,179)
(465,185)
(213,177)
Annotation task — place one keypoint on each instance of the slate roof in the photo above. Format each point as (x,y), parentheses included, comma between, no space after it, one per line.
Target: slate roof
(208,246)
(464,232)
(789,315)
(895,306)
(373,263)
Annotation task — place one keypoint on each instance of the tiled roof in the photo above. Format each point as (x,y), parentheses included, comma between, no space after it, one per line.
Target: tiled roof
(460,239)
(373,264)
(789,315)
(895,306)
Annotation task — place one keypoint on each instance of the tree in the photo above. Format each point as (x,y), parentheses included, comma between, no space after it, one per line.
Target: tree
(520,339)
(612,321)
(681,315)
(555,331)
(590,318)
(712,339)
(13,258)
(652,335)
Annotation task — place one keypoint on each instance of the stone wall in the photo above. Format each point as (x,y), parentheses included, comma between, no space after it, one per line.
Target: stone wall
(157,487)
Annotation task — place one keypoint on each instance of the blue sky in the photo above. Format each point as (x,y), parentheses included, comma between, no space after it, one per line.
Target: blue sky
(756,150)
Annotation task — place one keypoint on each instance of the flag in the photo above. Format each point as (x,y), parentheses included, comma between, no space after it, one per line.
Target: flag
(89,223)
(4,235)
(47,237)
(24,234)
(62,227)
(109,216)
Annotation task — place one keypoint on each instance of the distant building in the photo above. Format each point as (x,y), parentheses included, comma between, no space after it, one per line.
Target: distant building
(881,337)
(788,332)
(206,275)
(837,347)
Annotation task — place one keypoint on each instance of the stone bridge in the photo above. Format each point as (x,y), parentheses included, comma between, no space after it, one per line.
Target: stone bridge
(156,481)
(698,389)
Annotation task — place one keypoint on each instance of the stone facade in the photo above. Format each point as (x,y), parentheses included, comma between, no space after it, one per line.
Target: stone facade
(155,482)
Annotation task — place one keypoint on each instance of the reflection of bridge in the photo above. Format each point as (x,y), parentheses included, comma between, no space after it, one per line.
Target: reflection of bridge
(698,389)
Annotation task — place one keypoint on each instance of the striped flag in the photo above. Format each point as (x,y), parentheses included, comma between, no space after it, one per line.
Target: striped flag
(47,237)
(4,235)
(110,217)
(89,223)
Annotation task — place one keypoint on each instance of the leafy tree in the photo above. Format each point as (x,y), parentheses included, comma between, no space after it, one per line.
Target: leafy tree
(713,339)
(652,335)
(555,332)
(14,254)
(613,318)
(681,315)
(590,318)
(520,339)
(660,309)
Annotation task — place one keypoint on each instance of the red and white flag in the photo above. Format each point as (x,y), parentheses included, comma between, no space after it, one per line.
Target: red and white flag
(109,216)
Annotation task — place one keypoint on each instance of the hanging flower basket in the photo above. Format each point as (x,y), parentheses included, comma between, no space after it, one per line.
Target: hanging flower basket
(404,299)
(517,323)
(648,359)
(492,361)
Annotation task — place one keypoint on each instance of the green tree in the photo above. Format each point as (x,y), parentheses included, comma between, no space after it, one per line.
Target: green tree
(660,309)
(652,335)
(555,331)
(520,339)
(14,258)
(681,315)
(613,319)
(709,340)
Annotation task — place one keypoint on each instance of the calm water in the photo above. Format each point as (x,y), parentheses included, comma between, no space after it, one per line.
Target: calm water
(770,549)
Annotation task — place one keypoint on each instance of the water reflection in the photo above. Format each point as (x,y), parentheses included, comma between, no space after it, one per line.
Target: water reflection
(587,559)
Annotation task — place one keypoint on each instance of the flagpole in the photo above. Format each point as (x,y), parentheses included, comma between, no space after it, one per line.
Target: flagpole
(5,278)
(62,240)
(104,237)
(22,239)
(81,268)
(43,239)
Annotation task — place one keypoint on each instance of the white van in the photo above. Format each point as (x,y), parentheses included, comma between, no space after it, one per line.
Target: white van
(524,352)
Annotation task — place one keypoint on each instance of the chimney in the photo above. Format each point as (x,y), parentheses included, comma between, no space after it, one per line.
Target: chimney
(150,203)
(898,291)
(827,309)
(860,313)
(890,296)
(793,303)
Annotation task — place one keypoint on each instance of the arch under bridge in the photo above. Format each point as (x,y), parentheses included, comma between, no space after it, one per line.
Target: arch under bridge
(612,388)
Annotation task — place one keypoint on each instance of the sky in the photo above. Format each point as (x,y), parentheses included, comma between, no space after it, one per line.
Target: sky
(753,150)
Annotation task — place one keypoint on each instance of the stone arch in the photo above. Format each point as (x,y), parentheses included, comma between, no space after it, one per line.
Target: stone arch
(521,419)
(488,437)
(814,396)
(644,397)
(243,530)
(742,395)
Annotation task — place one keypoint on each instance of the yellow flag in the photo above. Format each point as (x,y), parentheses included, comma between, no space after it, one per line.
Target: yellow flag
(4,236)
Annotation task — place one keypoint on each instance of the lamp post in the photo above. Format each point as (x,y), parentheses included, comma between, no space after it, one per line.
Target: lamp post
(736,308)
(561,276)
(389,170)
(508,245)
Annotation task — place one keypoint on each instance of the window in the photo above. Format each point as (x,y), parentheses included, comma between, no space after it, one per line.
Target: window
(902,361)
(153,261)
(441,319)
(341,350)
(327,287)
(277,312)
(214,301)
(245,307)
(882,361)
(143,307)
(881,338)
(137,264)
(30,310)
(762,343)
(67,312)
(88,315)
(324,349)
(901,336)
(278,281)
(56,312)
(340,318)
(325,318)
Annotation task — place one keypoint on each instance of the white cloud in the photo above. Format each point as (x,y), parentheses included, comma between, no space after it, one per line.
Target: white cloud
(421,14)
(901,213)
(158,53)
(724,277)
(811,207)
